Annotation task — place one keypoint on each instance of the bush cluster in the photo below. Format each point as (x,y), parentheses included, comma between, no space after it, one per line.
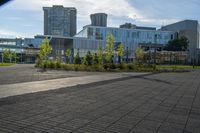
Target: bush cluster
(97,67)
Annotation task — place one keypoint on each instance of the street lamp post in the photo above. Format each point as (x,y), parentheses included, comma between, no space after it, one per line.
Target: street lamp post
(21,53)
(127,54)
(2,55)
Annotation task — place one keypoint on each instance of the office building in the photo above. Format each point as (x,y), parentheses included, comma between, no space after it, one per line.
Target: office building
(60,21)
(91,37)
(26,48)
(189,29)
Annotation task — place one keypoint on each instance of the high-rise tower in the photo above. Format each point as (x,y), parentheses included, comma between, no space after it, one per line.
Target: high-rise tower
(60,21)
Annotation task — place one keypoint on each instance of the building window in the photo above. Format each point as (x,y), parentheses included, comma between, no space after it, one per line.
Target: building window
(138,34)
(90,32)
(98,34)
(62,52)
(172,37)
(127,35)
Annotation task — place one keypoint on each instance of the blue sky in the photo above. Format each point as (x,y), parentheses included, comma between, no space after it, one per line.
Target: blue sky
(24,18)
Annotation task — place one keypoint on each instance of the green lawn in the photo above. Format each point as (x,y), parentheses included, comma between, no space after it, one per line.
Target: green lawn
(176,67)
(6,64)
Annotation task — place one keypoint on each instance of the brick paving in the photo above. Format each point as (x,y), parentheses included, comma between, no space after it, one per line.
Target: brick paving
(27,73)
(157,103)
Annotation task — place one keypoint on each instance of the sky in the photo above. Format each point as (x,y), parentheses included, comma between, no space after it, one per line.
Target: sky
(24,18)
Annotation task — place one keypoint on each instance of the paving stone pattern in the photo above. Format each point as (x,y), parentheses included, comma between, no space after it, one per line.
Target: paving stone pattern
(27,73)
(157,103)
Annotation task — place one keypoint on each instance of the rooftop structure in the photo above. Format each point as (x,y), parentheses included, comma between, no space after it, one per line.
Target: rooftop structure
(132,26)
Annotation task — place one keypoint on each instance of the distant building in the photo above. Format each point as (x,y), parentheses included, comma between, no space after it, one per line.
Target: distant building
(26,49)
(99,19)
(189,29)
(60,21)
(132,26)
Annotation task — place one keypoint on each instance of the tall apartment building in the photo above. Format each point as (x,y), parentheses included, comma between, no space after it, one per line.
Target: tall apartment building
(60,21)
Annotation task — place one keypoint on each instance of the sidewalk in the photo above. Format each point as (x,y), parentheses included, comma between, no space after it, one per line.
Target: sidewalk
(37,86)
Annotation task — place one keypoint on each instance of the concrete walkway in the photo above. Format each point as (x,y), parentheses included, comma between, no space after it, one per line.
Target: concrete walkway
(37,86)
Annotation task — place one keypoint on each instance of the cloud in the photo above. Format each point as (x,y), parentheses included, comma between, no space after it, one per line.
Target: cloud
(139,12)
(13,18)
(117,8)
(8,33)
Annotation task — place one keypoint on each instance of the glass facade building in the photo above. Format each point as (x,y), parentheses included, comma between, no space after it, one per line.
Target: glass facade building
(60,21)
(91,37)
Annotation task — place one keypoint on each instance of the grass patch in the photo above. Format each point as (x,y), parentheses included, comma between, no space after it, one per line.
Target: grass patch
(176,67)
(6,64)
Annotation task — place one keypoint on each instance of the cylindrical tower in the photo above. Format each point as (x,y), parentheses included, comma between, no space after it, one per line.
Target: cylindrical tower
(99,19)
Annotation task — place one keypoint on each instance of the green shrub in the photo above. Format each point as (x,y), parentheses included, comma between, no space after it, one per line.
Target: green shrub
(67,67)
(112,66)
(83,67)
(52,65)
(98,68)
(38,62)
(106,66)
(76,67)
(131,66)
(58,64)
(44,65)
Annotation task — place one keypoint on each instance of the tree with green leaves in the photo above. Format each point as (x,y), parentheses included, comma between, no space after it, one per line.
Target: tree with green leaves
(88,59)
(109,47)
(139,53)
(68,54)
(7,55)
(120,52)
(14,56)
(45,49)
(100,55)
(95,59)
(77,59)
(179,44)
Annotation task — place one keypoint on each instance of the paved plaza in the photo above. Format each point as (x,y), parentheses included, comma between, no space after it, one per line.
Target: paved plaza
(27,72)
(146,103)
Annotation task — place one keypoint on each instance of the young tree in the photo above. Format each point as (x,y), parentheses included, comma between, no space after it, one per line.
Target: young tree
(14,55)
(95,59)
(88,59)
(100,55)
(45,49)
(120,52)
(109,47)
(68,55)
(139,53)
(7,55)
(77,59)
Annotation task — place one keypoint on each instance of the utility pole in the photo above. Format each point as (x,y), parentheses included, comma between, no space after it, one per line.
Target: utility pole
(154,55)
(21,54)
(2,55)
(149,62)
(126,54)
